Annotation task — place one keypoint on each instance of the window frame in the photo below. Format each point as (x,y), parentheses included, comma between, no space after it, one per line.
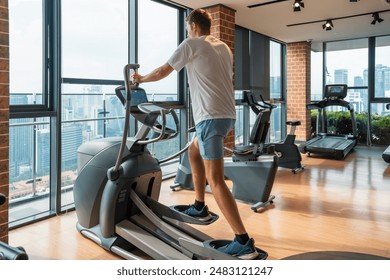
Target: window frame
(46,108)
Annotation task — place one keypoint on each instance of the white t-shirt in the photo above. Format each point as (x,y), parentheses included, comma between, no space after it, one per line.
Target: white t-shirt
(209,64)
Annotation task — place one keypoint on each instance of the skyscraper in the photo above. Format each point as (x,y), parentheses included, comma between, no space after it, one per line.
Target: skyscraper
(341,76)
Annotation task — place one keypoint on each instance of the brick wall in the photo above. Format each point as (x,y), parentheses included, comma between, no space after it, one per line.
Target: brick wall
(298,86)
(4,116)
(223,27)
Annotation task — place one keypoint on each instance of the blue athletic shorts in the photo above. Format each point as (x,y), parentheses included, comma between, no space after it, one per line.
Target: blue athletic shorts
(211,135)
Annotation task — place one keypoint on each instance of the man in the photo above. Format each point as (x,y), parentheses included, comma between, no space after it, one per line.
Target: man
(209,64)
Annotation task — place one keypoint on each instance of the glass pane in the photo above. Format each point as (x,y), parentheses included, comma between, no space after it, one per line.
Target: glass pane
(343,68)
(239,126)
(359,100)
(155,47)
(94,39)
(382,67)
(29,168)
(342,65)
(380,124)
(316,75)
(275,70)
(25,29)
(275,129)
(89,112)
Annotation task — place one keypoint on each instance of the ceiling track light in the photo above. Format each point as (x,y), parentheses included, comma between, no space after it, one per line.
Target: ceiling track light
(376,19)
(298,4)
(354,1)
(328,25)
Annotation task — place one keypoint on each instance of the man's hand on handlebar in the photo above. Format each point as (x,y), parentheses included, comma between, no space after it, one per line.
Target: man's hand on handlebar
(136,78)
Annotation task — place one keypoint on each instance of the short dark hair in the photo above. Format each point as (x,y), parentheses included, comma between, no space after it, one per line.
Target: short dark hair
(201,18)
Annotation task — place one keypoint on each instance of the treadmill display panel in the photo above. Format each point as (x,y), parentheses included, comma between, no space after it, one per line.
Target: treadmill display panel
(339,91)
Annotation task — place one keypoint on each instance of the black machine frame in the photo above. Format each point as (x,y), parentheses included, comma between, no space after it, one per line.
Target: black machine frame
(323,143)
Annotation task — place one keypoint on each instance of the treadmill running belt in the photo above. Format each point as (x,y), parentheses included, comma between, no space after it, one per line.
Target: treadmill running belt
(328,143)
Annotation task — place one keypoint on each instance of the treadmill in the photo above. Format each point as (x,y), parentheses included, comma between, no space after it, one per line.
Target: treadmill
(327,144)
(386,153)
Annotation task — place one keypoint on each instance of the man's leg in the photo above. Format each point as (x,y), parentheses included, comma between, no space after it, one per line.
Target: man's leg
(213,170)
(199,209)
(224,198)
(242,246)
(198,171)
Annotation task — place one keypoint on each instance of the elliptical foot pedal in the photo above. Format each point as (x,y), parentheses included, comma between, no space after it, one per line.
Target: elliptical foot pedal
(192,220)
(213,245)
(261,206)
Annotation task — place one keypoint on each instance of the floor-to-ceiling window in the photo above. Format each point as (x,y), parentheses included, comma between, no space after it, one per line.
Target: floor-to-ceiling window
(362,64)
(67,58)
(277,130)
(259,68)
(342,67)
(380,115)
(316,68)
(29,152)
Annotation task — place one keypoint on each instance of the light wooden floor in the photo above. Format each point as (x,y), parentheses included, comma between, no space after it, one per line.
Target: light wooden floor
(332,206)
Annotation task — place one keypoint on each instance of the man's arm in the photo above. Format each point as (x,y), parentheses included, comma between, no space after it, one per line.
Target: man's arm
(156,75)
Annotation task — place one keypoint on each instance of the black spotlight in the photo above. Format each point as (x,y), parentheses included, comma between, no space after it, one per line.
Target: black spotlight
(328,25)
(376,17)
(298,4)
(354,0)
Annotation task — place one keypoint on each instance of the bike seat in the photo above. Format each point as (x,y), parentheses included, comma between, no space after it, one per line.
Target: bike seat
(293,123)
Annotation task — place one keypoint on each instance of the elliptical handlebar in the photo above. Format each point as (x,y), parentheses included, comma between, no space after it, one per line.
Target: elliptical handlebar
(164,133)
(126,74)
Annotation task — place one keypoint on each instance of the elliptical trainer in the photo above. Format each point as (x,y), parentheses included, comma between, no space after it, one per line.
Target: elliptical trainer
(116,192)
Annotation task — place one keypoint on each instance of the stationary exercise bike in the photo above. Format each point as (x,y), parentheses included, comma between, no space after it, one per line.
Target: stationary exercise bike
(251,168)
(286,150)
(116,192)
(8,252)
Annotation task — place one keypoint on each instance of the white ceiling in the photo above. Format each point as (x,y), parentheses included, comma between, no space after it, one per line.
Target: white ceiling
(272,19)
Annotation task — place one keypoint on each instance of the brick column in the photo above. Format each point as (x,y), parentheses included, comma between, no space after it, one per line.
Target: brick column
(4,117)
(298,86)
(223,27)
